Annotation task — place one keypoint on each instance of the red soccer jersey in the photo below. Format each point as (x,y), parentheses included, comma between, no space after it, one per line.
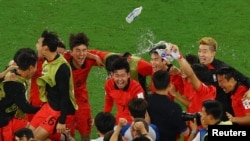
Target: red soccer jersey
(121,98)
(196,97)
(80,79)
(102,54)
(237,104)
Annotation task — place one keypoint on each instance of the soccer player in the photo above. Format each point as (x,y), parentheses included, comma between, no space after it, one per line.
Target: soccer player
(56,90)
(197,83)
(160,61)
(208,48)
(139,68)
(231,86)
(81,66)
(15,99)
(120,89)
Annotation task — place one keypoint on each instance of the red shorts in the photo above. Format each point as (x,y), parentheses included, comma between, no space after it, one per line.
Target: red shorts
(70,125)
(7,132)
(46,118)
(83,119)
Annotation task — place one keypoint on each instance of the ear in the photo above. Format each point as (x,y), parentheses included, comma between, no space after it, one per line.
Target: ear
(213,53)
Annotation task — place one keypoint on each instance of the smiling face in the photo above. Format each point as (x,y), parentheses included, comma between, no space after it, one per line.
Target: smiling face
(157,62)
(205,54)
(226,85)
(121,78)
(79,54)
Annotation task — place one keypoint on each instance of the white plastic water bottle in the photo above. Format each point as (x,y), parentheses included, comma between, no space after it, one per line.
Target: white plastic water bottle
(132,15)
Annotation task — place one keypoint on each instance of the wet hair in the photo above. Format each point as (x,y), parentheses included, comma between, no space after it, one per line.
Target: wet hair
(78,39)
(104,122)
(160,46)
(214,108)
(161,79)
(25,57)
(203,73)
(24,132)
(121,63)
(50,39)
(211,42)
(137,107)
(192,59)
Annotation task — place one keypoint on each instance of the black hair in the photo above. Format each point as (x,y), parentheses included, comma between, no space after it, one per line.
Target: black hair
(214,108)
(138,107)
(109,62)
(104,122)
(121,63)
(50,39)
(25,57)
(24,132)
(161,79)
(78,39)
(228,72)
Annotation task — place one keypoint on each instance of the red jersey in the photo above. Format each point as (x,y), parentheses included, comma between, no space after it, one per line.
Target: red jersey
(144,68)
(239,110)
(80,78)
(196,97)
(121,98)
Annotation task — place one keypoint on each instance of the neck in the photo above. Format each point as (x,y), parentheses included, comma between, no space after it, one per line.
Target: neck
(161,92)
(51,56)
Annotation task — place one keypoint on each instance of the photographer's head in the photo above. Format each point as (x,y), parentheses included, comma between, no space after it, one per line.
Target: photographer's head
(211,112)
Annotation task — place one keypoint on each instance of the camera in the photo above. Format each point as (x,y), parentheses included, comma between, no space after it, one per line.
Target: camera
(190,116)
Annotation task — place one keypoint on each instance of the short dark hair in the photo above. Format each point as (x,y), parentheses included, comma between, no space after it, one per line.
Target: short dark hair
(161,79)
(24,132)
(138,107)
(214,108)
(228,72)
(78,39)
(109,61)
(50,39)
(121,63)
(104,122)
(25,57)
